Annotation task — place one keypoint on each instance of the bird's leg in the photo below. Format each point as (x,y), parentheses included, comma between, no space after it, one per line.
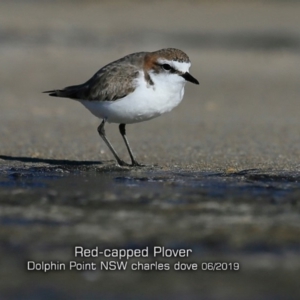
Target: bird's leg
(123,133)
(101,131)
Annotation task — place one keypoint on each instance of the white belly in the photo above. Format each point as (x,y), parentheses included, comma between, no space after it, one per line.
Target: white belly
(145,103)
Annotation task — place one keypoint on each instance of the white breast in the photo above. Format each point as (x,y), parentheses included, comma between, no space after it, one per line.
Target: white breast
(145,103)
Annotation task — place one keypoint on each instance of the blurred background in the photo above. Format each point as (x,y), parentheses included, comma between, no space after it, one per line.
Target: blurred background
(244,53)
(244,115)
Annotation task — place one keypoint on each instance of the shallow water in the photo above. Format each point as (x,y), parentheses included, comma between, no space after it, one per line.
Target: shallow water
(248,216)
(112,179)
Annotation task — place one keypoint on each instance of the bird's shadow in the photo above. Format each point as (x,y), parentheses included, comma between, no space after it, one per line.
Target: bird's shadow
(63,162)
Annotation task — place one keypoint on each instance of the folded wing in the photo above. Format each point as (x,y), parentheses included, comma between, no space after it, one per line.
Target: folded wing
(110,83)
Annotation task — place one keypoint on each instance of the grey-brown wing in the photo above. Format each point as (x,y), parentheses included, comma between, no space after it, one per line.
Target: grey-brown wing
(110,83)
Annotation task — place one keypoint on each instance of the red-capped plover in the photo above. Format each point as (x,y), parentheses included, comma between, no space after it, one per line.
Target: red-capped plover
(132,89)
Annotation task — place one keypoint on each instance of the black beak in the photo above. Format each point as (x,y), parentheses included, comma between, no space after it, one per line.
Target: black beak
(188,77)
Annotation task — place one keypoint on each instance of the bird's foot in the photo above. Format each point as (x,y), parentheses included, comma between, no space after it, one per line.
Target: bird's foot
(136,164)
(122,163)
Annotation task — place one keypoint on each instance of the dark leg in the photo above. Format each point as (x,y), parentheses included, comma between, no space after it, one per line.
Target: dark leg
(123,133)
(102,134)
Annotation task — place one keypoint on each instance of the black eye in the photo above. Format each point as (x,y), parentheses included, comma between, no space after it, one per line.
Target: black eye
(166,67)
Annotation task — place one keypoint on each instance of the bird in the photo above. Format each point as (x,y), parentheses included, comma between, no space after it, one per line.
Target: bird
(135,88)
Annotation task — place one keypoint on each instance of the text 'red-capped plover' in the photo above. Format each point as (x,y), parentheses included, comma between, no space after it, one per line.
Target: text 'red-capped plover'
(132,89)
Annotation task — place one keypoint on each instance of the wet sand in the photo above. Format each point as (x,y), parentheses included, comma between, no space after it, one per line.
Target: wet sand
(223,168)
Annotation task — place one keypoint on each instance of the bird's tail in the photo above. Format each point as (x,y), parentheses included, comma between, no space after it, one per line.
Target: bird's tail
(54,93)
(73,92)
